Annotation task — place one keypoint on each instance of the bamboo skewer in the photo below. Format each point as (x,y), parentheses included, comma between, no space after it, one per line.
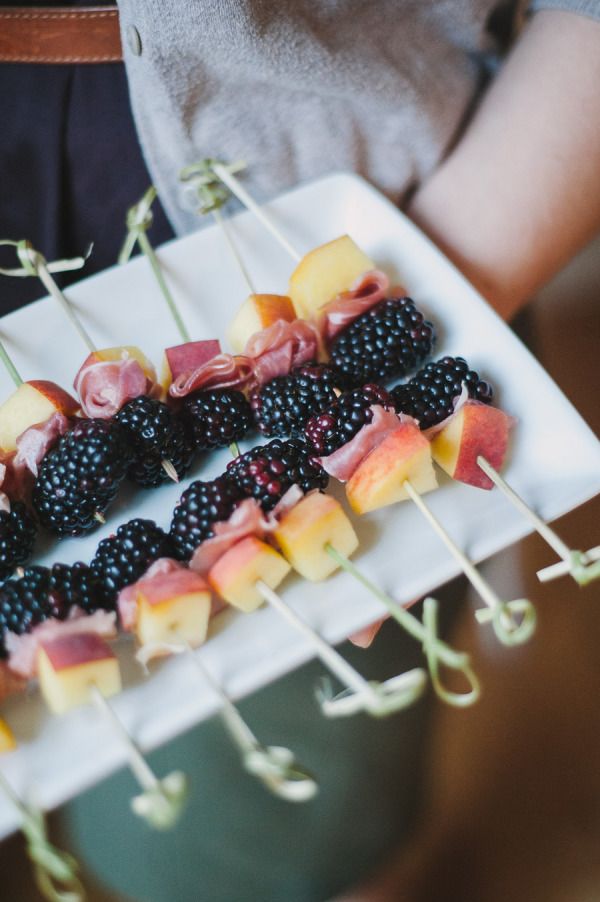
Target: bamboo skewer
(138,221)
(35,264)
(161,800)
(509,630)
(377,699)
(584,566)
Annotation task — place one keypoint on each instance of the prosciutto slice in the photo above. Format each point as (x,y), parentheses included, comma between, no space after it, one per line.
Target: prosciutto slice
(16,480)
(104,386)
(35,442)
(343,462)
(221,371)
(22,650)
(281,346)
(370,289)
(246,520)
(163,573)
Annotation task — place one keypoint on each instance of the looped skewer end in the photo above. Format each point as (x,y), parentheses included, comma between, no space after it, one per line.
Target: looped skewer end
(435,649)
(55,871)
(513,621)
(138,220)
(276,767)
(453,660)
(384,699)
(161,802)
(583,566)
(205,185)
(161,805)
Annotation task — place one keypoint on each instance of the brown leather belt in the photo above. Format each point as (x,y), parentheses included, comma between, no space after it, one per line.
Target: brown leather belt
(60,34)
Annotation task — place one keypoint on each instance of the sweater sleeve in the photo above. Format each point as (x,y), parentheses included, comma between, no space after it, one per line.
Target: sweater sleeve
(589,8)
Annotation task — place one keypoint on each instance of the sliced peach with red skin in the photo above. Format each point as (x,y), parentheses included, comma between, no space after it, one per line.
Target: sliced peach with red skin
(378,481)
(33,402)
(304,532)
(475,430)
(236,573)
(69,666)
(186,358)
(258,312)
(174,608)
(325,272)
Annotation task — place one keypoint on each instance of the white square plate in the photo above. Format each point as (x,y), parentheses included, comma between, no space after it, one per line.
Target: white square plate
(555,465)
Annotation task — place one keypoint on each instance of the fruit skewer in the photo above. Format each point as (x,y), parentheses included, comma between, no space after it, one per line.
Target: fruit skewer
(247,574)
(75,669)
(169,609)
(397,465)
(431,396)
(316,537)
(583,566)
(55,871)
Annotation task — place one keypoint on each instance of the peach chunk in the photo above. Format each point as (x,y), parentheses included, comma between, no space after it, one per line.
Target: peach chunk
(476,429)
(7,739)
(69,666)
(235,574)
(256,313)
(185,358)
(33,402)
(379,480)
(175,607)
(325,272)
(305,530)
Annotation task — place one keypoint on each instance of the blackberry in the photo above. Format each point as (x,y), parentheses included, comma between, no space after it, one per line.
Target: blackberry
(27,601)
(217,418)
(80,476)
(159,439)
(387,341)
(124,557)
(268,471)
(77,584)
(17,537)
(201,506)
(338,423)
(428,396)
(283,405)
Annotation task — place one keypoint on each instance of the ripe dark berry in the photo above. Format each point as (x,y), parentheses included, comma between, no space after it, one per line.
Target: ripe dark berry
(80,476)
(283,405)
(123,558)
(268,471)
(158,437)
(217,418)
(428,396)
(387,341)
(338,423)
(27,601)
(17,538)
(201,506)
(79,585)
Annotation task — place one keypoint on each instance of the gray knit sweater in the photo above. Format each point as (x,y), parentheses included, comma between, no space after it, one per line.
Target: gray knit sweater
(299,88)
